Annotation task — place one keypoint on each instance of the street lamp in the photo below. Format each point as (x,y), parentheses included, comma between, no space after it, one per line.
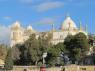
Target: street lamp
(44,56)
(43,67)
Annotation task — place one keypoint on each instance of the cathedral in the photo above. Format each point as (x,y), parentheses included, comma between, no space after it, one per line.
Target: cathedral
(68,27)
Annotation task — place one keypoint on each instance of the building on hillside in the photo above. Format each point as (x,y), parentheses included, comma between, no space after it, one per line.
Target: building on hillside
(68,27)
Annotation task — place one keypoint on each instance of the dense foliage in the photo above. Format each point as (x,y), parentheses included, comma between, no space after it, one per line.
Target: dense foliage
(9,61)
(77,46)
(3,51)
(31,51)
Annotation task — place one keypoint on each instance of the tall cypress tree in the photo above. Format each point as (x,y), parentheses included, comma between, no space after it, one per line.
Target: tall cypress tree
(9,60)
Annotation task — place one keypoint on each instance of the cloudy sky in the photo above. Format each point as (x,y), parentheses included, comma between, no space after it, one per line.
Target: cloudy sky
(42,13)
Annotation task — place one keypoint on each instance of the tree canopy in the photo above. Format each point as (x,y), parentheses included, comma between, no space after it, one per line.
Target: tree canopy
(9,61)
(31,51)
(77,46)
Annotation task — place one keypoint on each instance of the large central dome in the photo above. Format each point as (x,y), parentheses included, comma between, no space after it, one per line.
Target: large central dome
(68,24)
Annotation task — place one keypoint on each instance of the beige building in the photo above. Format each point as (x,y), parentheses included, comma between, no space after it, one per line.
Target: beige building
(20,34)
(68,27)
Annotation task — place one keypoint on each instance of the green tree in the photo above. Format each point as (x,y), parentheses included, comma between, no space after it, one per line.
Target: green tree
(77,46)
(3,51)
(53,57)
(44,41)
(31,51)
(16,54)
(37,46)
(32,45)
(81,41)
(23,56)
(9,60)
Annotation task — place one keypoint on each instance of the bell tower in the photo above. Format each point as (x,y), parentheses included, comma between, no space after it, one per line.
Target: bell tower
(16,34)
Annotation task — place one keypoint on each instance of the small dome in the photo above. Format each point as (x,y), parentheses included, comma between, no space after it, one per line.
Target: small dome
(29,28)
(68,24)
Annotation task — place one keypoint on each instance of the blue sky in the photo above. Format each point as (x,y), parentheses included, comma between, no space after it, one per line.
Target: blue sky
(42,13)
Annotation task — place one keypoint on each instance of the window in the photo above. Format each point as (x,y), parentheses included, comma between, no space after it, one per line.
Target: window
(61,36)
(83,69)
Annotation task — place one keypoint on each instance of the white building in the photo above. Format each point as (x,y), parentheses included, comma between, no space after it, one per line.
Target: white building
(19,34)
(68,28)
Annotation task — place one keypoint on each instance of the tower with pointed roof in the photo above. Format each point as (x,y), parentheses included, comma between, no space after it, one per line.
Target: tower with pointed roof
(16,33)
(19,34)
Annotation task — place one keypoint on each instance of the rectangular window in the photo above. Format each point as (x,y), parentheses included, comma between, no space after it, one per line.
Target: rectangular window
(83,69)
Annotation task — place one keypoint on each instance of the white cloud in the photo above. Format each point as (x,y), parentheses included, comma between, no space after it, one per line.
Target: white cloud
(46,21)
(4,34)
(48,6)
(7,18)
(80,3)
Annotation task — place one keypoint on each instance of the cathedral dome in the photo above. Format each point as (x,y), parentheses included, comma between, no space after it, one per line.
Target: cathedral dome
(68,24)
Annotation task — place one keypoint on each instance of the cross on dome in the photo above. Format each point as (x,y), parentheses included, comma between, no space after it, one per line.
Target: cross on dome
(68,23)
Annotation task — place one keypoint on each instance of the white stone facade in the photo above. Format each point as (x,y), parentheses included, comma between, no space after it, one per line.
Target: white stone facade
(68,28)
(19,34)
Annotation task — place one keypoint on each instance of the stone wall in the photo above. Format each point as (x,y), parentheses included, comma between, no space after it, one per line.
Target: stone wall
(65,68)
(79,68)
(54,69)
(34,68)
